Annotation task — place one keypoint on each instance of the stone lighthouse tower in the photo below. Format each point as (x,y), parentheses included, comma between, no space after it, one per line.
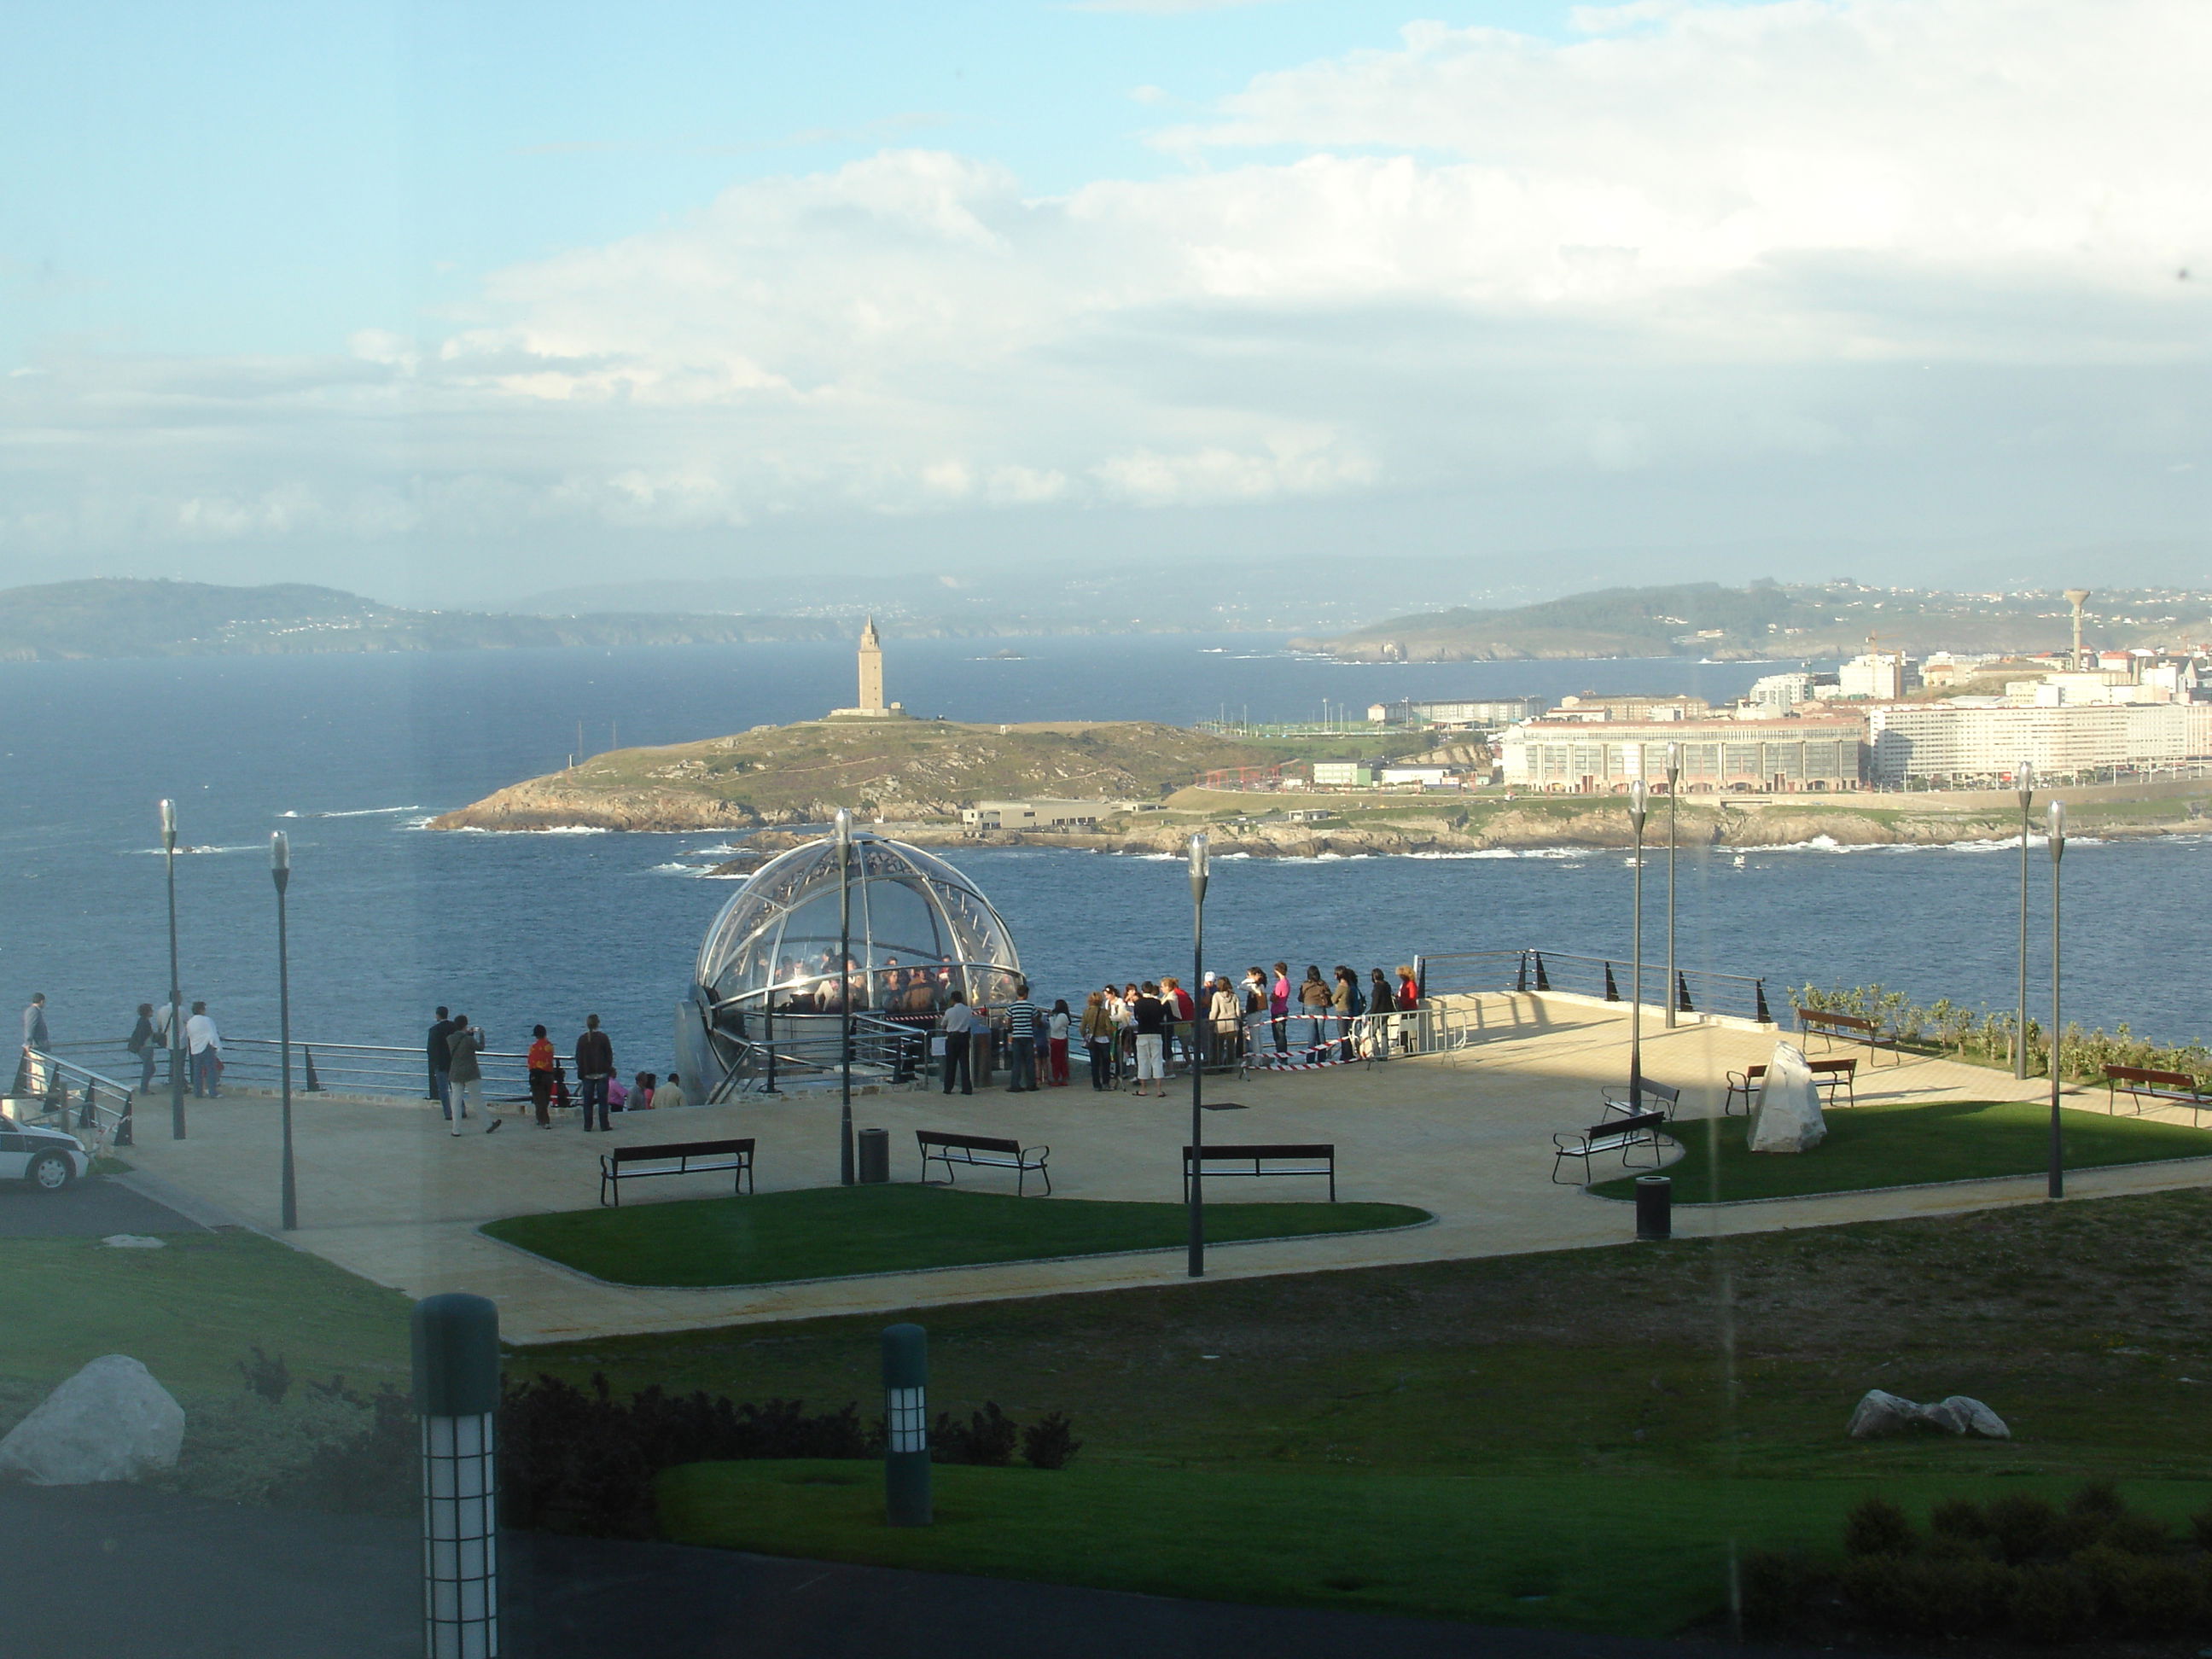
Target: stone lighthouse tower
(871,704)
(872,670)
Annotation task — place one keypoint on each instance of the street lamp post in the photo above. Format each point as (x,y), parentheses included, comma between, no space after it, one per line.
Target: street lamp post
(280,870)
(1197,1057)
(2023,778)
(1674,789)
(176,987)
(2057,822)
(1639,806)
(845,992)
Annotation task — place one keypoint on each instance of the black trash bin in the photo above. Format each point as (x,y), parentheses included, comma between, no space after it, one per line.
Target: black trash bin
(874,1147)
(1655,1207)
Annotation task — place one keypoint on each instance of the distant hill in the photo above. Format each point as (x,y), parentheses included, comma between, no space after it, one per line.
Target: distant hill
(123,616)
(1767,620)
(905,770)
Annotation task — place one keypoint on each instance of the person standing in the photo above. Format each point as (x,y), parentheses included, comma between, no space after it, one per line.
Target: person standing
(35,1035)
(1409,1002)
(1382,1002)
(145,1043)
(464,1077)
(1151,1015)
(435,1052)
(1345,1000)
(1021,1042)
(541,1062)
(595,1068)
(959,1024)
(1278,1008)
(203,1049)
(1313,998)
(1255,992)
(1055,1026)
(1098,1034)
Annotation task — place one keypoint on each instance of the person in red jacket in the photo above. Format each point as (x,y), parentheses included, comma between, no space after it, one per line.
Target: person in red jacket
(541,1064)
(1409,1002)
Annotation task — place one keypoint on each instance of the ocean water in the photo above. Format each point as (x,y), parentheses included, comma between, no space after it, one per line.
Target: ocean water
(351,754)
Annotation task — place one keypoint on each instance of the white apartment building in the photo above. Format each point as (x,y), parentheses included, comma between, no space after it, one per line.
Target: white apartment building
(1880,675)
(1777,694)
(1571,757)
(1486,713)
(1944,742)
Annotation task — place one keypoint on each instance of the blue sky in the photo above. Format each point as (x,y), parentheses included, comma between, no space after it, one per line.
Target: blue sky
(234,178)
(468,301)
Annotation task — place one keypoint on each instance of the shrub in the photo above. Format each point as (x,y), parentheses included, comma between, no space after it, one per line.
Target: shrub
(2098,1500)
(270,1378)
(1778,1589)
(1050,1443)
(2200,1529)
(2138,1534)
(2025,1527)
(1958,1517)
(988,1437)
(377,1471)
(2160,1597)
(1877,1527)
(2050,1604)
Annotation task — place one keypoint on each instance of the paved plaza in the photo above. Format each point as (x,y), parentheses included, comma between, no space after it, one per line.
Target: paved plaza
(386,1193)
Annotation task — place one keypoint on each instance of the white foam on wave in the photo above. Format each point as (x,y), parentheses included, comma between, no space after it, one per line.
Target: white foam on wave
(355,812)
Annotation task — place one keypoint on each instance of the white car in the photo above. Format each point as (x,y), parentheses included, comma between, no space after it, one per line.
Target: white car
(50,1159)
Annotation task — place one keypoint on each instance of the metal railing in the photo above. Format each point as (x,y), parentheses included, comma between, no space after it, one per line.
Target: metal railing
(75,1098)
(1695,990)
(792,1047)
(378,1070)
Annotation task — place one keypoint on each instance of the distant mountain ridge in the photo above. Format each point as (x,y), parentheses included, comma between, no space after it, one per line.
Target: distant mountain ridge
(128,616)
(1768,621)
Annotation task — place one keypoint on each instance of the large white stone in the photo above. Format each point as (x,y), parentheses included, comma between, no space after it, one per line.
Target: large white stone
(111,1421)
(1879,1413)
(1788,1117)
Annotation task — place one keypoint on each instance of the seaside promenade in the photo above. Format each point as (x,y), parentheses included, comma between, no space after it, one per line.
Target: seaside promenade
(386,1193)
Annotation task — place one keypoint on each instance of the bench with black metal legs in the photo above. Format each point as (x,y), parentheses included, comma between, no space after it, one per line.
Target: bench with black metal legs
(982,1152)
(1833,1076)
(1300,1158)
(2141,1084)
(677,1157)
(1852,1028)
(1651,1097)
(1625,1135)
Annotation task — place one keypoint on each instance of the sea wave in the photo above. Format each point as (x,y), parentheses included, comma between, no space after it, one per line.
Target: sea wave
(356,813)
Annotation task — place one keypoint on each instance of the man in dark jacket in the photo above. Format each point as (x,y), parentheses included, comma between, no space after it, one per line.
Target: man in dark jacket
(595,1068)
(440,1059)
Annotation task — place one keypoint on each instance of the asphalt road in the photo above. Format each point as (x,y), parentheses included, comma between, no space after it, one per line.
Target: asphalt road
(91,1208)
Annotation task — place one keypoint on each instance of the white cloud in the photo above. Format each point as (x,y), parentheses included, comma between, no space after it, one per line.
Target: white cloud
(1486,256)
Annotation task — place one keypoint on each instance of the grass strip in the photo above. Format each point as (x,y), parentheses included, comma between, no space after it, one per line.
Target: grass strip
(1904,1144)
(1640,1557)
(821,1232)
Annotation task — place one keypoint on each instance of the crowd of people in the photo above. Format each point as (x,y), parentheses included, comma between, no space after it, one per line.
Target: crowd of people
(453,1046)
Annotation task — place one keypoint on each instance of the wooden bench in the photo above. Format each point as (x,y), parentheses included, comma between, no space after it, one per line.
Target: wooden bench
(1852,1028)
(982,1152)
(1313,1158)
(1830,1074)
(677,1157)
(1623,1135)
(2141,1084)
(1648,1091)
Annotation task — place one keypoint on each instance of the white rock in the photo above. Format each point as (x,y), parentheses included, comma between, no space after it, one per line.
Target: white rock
(111,1421)
(1788,1117)
(134,1241)
(1881,1413)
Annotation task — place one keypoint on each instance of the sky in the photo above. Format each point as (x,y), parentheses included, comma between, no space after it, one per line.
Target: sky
(460,304)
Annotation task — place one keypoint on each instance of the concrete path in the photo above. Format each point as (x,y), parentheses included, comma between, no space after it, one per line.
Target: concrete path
(386,1193)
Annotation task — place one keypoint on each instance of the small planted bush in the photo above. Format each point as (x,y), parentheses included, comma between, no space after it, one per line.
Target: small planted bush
(2018,1567)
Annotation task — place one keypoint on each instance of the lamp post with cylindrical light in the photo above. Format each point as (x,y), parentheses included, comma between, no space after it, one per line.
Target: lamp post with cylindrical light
(1674,789)
(1197,1057)
(1639,806)
(176,984)
(845,993)
(2023,779)
(2058,825)
(280,870)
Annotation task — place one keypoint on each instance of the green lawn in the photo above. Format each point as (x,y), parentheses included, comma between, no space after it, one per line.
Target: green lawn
(1902,1144)
(819,1232)
(1633,1556)
(189,1312)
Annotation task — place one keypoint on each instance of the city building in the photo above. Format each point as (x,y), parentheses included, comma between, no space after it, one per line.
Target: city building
(1777,694)
(1043,814)
(1485,713)
(1593,708)
(1342,774)
(1982,741)
(871,706)
(1878,676)
(1429,777)
(1811,752)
